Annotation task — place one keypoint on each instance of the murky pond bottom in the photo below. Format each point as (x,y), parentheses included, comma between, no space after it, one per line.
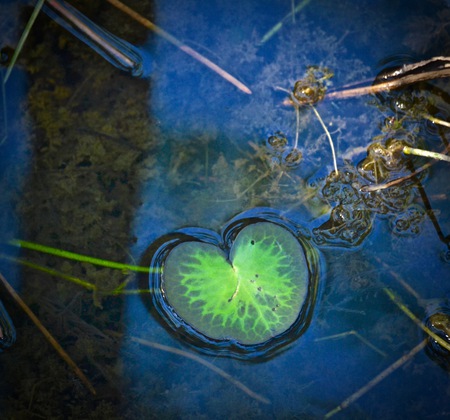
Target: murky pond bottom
(101,164)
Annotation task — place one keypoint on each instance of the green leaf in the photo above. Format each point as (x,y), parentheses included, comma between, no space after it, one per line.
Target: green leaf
(256,294)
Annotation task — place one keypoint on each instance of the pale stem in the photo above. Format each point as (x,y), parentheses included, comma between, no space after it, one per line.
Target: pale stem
(425,153)
(329,138)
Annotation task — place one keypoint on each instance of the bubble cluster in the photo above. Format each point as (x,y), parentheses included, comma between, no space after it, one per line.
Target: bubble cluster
(383,159)
(409,222)
(350,220)
(347,226)
(278,141)
(281,154)
(354,210)
(312,88)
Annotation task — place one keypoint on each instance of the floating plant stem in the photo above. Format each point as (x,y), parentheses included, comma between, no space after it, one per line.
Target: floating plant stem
(197,359)
(297,128)
(23,38)
(384,374)
(397,277)
(119,290)
(434,68)
(47,335)
(272,31)
(357,335)
(77,257)
(437,121)
(425,153)
(188,50)
(51,272)
(398,363)
(406,310)
(297,106)
(329,138)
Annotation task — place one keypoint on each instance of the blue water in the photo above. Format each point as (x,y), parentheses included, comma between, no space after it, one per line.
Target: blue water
(314,376)
(201,159)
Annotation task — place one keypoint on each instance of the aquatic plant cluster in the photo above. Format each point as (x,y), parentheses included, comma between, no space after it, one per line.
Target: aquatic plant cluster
(370,188)
(354,191)
(354,211)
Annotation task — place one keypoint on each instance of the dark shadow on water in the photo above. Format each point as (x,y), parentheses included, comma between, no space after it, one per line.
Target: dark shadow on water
(90,125)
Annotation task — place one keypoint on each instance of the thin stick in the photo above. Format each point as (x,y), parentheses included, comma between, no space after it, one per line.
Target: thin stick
(387,86)
(384,374)
(272,31)
(437,121)
(23,38)
(416,320)
(77,257)
(119,290)
(376,187)
(170,38)
(357,335)
(47,335)
(113,49)
(425,153)
(402,282)
(198,359)
(297,127)
(52,272)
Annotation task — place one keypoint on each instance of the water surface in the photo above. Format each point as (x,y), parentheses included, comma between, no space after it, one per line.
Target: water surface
(100,163)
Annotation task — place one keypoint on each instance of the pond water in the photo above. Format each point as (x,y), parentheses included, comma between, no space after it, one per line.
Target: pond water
(97,162)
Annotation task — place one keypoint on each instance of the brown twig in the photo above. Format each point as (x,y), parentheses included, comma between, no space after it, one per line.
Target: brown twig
(376,187)
(435,68)
(47,335)
(188,50)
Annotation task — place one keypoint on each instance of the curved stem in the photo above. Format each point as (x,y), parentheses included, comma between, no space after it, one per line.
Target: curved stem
(329,138)
(297,129)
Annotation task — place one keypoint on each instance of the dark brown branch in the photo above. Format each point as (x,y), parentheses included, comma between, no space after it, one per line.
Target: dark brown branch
(434,68)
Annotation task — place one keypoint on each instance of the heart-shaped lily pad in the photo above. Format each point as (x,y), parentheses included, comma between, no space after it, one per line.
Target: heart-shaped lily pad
(249,296)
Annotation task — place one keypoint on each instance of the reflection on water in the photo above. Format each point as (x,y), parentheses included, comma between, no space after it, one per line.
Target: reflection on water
(117,163)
